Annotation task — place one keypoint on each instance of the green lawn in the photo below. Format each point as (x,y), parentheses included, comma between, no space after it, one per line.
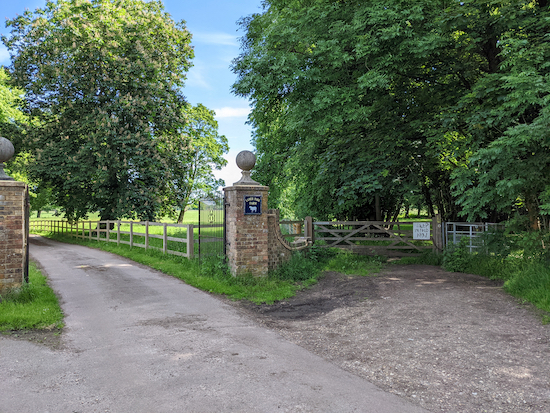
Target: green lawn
(33,306)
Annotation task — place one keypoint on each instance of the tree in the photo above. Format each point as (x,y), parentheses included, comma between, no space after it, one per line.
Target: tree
(12,121)
(506,111)
(345,101)
(102,82)
(10,108)
(362,102)
(191,169)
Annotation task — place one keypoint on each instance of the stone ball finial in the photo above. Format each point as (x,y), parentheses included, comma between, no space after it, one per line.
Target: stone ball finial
(6,152)
(246,160)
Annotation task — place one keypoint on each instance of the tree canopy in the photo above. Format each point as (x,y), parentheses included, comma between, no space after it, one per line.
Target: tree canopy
(102,82)
(359,104)
(10,106)
(191,171)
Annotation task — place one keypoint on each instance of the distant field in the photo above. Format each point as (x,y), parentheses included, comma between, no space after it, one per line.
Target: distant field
(191,217)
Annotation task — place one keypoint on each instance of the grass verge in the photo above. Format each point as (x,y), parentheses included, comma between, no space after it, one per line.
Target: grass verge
(33,306)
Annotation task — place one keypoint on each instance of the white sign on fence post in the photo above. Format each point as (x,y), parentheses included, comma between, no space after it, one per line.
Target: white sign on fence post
(421,230)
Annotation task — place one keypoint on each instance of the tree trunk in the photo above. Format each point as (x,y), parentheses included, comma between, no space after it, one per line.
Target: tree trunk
(532,212)
(180,216)
(38,213)
(377,207)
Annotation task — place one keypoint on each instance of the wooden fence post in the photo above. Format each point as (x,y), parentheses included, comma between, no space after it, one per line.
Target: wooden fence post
(437,233)
(164,239)
(190,241)
(131,234)
(118,233)
(108,227)
(146,234)
(308,229)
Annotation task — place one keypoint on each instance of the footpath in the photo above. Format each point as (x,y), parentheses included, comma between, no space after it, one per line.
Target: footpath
(138,341)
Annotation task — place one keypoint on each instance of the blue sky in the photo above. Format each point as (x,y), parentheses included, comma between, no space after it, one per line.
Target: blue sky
(213,24)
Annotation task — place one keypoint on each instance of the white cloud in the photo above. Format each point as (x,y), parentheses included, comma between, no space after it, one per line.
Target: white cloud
(222,39)
(229,112)
(195,78)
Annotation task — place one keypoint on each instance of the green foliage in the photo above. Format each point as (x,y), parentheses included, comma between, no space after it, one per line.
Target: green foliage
(456,256)
(427,258)
(320,253)
(190,169)
(11,115)
(298,269)
(349,263)
(529,280)
(102,82)
(33,306)
(359,101)
(534,245)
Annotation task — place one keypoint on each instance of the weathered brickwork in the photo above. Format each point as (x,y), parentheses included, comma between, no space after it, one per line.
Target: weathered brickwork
(246,235)
(12,233)
(255,244)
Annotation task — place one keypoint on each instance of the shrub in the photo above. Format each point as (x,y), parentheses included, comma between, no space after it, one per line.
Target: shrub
(456,257)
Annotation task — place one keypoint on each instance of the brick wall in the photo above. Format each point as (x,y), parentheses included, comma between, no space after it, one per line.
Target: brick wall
(12,233)
(246,235)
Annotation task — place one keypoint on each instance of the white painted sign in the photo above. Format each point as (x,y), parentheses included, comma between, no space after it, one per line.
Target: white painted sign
(421,230)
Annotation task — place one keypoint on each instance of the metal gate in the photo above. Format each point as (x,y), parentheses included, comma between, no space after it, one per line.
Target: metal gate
(211,236)
(27,226)
(473,231)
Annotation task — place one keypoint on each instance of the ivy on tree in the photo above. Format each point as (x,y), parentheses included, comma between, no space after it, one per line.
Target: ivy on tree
(102,82)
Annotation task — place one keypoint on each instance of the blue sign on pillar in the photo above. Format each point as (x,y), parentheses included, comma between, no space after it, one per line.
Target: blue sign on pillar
(252,204)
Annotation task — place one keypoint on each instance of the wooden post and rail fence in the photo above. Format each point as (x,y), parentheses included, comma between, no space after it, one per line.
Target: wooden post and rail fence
(181,237)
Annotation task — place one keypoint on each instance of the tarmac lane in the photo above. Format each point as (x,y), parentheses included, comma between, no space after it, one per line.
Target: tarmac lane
(137,340)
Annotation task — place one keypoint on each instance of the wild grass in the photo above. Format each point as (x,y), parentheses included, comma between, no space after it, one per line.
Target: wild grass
(351,264)
(33,306)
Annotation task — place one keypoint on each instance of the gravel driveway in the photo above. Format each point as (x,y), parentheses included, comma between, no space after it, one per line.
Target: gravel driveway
(449,342)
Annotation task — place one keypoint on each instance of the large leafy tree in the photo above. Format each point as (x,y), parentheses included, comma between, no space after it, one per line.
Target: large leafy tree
(344,101)
(361,103)
(11,115)
(102,82)
(192,158)
(506,110)
(12,125)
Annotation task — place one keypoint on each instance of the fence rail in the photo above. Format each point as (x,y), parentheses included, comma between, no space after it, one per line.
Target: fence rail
(391,239)
(177,239)
(454,231)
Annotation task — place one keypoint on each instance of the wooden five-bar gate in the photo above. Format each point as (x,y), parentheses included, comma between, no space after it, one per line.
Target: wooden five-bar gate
(390,239)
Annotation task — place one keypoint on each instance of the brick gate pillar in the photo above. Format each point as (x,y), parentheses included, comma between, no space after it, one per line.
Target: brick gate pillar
(12,224)
(246,222)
